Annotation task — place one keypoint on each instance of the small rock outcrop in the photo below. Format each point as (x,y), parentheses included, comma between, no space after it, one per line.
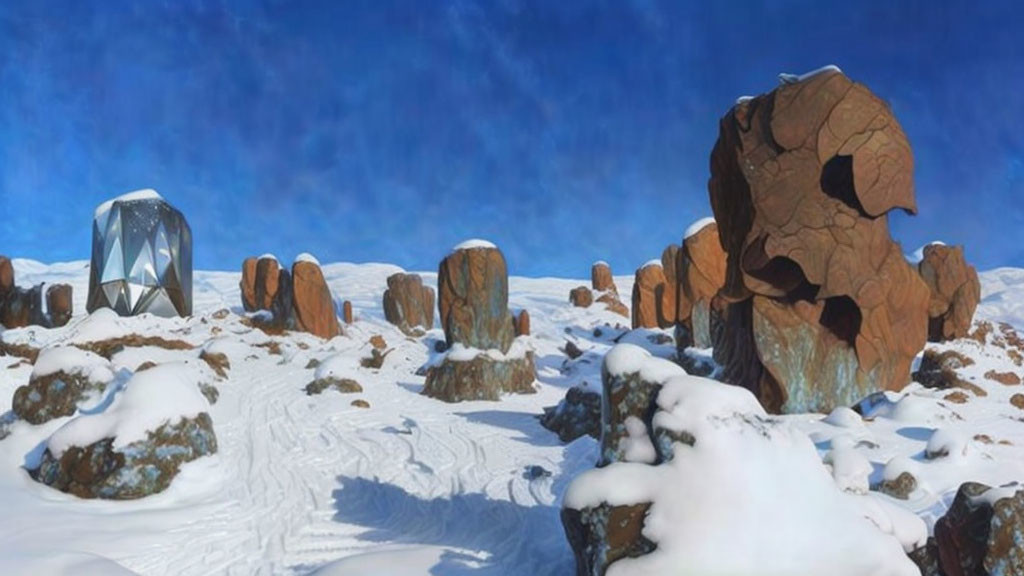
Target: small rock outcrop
(578,414)
(701,276)
(651,297)
(20,307)
(61,379)
(801,181)
(346,312)
(296,300)
(601,279)
(408,304)
(481,361)
(581,297)
(312,302)
(955,291)
(523,323)
(135,448)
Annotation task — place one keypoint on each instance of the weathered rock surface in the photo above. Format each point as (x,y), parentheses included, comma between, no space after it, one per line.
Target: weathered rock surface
(296,300)
(56,393)
(139,469)
(523,323)
(980,535)
(20,307)
(581,297)
(346,312)
(955,291)
(578,414)
(480,378)
(601,279)
(479,329)
(312,301)
(340,385)
(702,275)
(409,304)
(801,181)
(473,299)
(649,297)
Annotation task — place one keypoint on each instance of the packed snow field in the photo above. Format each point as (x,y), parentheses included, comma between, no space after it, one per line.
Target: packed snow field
(312,484)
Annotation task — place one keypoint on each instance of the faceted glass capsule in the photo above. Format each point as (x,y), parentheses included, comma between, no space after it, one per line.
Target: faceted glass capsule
(141,257)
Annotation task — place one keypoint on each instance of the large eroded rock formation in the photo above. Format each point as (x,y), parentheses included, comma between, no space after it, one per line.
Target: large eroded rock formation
(821,308)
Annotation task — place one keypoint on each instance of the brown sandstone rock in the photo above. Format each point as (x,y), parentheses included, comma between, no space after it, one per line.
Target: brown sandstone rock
(523,323)
(581,297)
(955,291)
(6,277)
(473,286)
(613,304)
(674,305)
(248,285)
(473,301)
(267,283)
(346,312)
(648,296)
(601,279)
(702,276)
(801,179)
(58,304)
(409,304)
(313,304)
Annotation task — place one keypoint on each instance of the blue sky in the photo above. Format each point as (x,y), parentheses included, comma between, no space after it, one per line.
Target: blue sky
(389,130)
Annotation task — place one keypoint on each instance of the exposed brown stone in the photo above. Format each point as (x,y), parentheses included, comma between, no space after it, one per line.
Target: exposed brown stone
(581,297)
(702,275)
(1017,400)
(980,535)
(378,342)
(613,304)
(6,277)
(409,304)
(601,279)
(248,285)
(217,361)
(313,304)
(901,487)
(801,179)
(956,397)
(473,301)
(58,304)
(955,291)
(604,534)
(267,283)
(346,312)
(1004,378)
(523,323)
(360,403)
(648,296)
(341,385)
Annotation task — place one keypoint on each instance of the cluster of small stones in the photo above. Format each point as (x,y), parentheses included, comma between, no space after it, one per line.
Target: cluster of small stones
(297,300)
(473,304)
(20,307)
(602,290)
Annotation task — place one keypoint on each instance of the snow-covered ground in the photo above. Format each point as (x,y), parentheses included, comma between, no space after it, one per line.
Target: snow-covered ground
(305,484)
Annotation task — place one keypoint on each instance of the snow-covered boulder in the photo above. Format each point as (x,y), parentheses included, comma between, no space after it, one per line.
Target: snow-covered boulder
(578,414)
(62,378)
(706,483)
(137,445)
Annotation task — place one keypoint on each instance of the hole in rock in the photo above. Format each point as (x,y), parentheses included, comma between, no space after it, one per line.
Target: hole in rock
(837,182)
(842,317)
